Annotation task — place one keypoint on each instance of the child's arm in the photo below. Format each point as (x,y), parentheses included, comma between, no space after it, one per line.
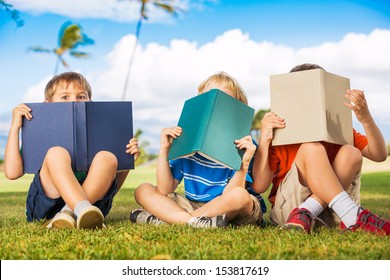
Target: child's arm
(165,181)
(12,159)
(133,149)
(262,173)
(239,176)
(376,149)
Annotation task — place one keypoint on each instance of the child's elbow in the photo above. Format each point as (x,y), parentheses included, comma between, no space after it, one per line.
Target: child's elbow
(12,175)
(383,157)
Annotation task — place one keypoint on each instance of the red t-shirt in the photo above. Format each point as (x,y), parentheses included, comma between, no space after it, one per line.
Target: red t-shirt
(282,157)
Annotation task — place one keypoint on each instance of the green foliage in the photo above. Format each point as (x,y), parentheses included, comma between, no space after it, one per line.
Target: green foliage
(388,148)
(145,156)
(255,127)
(122,240)
(15,15)
(70,36)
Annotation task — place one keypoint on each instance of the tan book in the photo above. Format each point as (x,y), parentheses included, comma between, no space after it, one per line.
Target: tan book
(312,104)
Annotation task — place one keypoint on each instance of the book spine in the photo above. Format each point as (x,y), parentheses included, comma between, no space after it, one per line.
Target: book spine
(206,119)
(80,137)
(323,111)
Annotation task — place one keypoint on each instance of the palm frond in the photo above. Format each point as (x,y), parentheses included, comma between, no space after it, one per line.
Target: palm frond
(71,36)
(79,54)
(13,13)
(166,7)
(39,49)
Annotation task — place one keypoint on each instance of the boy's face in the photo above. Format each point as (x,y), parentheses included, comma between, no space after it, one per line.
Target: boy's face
(70,93)
(214,85)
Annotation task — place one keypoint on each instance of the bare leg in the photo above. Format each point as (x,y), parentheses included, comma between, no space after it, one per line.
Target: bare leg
(58,179)
(316,172)
(233,202)
(160,205)
(347,165)
(101,174)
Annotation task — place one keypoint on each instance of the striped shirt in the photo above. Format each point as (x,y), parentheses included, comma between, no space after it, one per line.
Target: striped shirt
(204,179)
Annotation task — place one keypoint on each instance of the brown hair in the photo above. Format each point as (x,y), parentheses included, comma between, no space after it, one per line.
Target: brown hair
(65,79)
(306,66)
(225,80)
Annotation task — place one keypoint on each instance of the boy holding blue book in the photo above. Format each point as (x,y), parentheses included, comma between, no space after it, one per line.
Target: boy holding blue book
(71,199)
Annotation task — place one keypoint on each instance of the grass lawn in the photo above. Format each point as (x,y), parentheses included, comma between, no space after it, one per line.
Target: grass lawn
(122,240)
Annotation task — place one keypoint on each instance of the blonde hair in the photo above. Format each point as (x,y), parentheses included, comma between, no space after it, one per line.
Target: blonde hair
(65,79)
(223,79)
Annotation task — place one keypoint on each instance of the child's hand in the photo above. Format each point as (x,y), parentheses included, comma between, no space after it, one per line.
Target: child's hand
(132,148)
(250,148)
(18,113)
(168,134)
(267,125)
(358,105)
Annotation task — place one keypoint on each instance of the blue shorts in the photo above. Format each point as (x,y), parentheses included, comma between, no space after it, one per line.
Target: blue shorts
(39,206)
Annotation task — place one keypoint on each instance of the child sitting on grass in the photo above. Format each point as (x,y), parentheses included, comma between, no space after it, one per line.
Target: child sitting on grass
(70,199)
(310,177)
(215,196)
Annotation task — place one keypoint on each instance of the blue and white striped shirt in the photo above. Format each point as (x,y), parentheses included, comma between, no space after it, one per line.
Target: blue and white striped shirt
(204,179)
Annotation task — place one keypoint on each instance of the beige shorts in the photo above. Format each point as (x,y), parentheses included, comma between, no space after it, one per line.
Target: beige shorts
(255,218)
(291,194)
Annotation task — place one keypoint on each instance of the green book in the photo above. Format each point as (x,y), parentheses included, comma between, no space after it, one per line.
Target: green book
(211,122)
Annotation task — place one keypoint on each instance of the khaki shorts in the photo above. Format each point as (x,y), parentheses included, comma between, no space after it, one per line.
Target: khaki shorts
(255,218)
(291,194)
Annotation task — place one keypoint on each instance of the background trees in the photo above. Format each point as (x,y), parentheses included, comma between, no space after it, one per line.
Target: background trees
(70,36)
(166,5)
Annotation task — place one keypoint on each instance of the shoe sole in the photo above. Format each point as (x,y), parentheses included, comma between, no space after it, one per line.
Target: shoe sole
(293,227)
(91,218)
(62,222)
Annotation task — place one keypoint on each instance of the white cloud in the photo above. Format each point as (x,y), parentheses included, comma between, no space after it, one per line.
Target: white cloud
(163,77)
(117,10)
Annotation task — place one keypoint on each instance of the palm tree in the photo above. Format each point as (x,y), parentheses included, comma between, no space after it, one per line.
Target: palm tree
(12,12)
(163,4)
(70,37)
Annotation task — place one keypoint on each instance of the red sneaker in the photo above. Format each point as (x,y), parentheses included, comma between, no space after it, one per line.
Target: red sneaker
(300,219)
(369,222)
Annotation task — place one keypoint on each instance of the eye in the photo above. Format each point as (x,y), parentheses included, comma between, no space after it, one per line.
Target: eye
(82,97)
(64,97)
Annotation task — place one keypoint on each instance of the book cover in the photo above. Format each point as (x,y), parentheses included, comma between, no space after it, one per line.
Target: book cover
(82,128)
(312,104)
(211,122)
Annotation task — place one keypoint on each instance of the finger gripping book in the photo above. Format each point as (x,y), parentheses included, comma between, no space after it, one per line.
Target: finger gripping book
(82,128)
(312,105)
(211,122)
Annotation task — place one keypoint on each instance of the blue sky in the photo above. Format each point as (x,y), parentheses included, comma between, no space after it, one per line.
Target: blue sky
(248,39)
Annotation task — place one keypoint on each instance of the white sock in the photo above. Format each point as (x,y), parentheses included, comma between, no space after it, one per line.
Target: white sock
(313,206)
(66,207)
(81,206)
(345,208)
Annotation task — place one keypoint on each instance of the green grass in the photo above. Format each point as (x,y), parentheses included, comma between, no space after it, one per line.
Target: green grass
(123,240)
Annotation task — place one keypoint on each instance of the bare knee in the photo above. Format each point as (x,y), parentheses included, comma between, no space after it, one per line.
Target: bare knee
(238,197)
(142,191)
(107,158)
(312,148)
(57,153)
(350,156)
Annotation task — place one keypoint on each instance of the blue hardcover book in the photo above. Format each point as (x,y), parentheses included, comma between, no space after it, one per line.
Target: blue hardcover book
(82,128)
